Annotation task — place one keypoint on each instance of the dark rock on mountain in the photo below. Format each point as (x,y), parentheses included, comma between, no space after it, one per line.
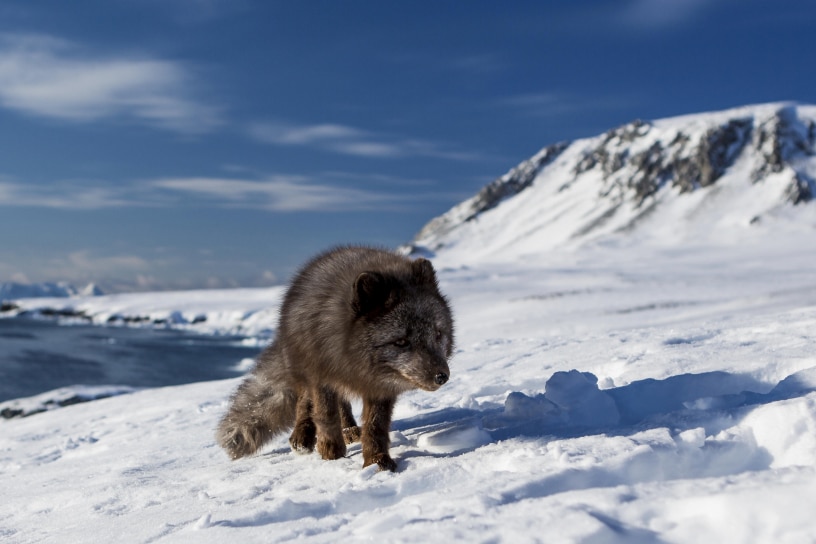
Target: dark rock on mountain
(510,184)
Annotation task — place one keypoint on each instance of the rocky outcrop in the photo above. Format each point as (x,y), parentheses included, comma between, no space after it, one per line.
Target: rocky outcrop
(685,162)
(515,181)
(779,142)
(510,184)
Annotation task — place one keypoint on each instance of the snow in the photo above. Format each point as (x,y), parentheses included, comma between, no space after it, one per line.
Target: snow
(616,393)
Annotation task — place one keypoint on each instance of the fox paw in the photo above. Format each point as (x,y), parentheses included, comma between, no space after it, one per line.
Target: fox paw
(331,449)
(383,462)
(303,439)
(351,434)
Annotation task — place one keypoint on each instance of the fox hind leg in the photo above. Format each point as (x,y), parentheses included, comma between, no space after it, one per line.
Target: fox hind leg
(351,432)
(304,435)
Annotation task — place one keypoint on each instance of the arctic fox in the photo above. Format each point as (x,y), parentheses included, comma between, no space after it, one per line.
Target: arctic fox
(356,322)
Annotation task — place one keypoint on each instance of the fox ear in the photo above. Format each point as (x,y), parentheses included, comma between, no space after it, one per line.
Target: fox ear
(372,293)
(423,271)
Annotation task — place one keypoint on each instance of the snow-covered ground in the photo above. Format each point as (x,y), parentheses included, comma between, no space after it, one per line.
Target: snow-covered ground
(608,394)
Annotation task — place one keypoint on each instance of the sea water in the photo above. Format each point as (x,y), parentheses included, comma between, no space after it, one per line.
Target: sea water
(40,355)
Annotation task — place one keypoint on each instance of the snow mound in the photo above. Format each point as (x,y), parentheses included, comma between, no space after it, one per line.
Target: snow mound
(573,402)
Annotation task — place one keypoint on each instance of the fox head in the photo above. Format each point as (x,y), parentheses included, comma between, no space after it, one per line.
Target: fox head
(407,326)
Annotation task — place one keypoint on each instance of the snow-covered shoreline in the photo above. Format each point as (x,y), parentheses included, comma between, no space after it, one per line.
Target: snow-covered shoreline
(249,312)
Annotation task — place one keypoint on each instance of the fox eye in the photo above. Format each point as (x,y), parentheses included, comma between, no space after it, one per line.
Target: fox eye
(438,336)
(401,343)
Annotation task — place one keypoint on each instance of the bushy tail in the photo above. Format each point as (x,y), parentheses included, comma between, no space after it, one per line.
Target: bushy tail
(258,411)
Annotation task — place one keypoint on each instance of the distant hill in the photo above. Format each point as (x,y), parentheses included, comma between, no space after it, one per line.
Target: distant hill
(14,291)
(685,178)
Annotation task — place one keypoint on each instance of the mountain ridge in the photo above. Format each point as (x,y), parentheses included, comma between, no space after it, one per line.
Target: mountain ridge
(586,189)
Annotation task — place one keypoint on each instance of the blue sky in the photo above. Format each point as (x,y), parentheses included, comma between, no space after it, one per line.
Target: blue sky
(154,144)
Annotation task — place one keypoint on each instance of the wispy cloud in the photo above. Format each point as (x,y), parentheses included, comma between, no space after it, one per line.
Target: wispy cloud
(48,77)
(85,262)
(663,13)
(280,193)
(237,187)
(274,193)
(12,273)
(73,196)
(77,266)
(305,135)
(347,140)
(82,266)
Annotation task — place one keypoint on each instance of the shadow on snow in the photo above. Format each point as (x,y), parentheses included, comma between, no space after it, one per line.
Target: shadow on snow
(690,407)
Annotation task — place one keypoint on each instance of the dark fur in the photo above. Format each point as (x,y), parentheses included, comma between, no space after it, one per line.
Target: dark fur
(355,323)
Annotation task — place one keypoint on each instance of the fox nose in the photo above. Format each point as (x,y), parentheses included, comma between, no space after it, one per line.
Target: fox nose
(441,378)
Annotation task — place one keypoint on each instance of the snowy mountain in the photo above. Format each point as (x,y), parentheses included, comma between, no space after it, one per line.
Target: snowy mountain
(705,176)
(13,291)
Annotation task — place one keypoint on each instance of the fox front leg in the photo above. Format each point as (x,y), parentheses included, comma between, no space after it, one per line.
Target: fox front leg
(375,441)
(326,417)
